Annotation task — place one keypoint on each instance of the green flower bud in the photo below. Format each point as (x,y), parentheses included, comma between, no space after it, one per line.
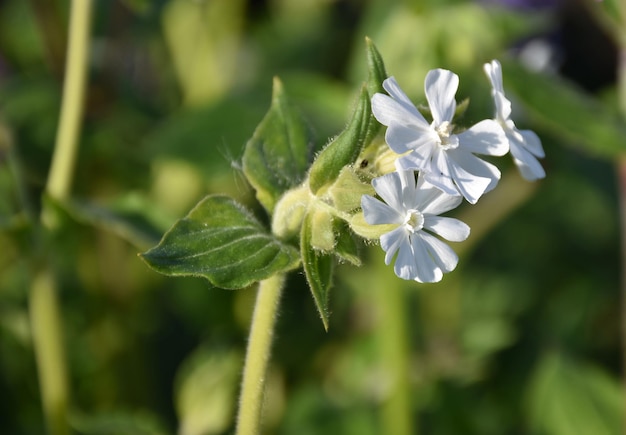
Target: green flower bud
(322,234)
(289,212)
(347,190)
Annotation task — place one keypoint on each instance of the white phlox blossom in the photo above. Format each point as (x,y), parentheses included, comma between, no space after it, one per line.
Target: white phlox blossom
(445,159)
(525,145)
(415,208)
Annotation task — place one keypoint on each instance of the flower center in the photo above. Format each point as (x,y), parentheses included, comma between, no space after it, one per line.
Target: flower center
(414,220)
(447,140)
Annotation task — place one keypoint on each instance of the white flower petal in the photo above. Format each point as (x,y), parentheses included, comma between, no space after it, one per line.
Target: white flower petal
(438,172)
(387,110)
(376,212)
(393,88)
(493,70)
(448,228)
(443,256)
(528,165)
(389,188)
(503,106)
(532,143)
(416,160)
(441,86)
(392,241)
(403,138)
(470,185)
(426,269)
(486,137)
(432,200)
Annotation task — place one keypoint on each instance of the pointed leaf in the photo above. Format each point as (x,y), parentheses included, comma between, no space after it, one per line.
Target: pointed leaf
(221,241)
(318,268)
(278,154)
(376,76)
(344,149)
(345,245)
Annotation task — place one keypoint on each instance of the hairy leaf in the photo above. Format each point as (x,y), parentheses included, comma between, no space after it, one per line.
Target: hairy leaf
(278,154)
(221,241)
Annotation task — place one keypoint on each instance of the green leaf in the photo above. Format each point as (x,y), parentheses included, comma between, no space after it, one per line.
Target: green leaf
(278,154)
(221,241)
(132,217)
(569,398)
(376,76)
(318,269)
(345,245)
(567,111)
(206,390)
(345,148)
(120,422)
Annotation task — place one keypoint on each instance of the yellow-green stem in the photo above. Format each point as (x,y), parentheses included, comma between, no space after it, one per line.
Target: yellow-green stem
(47,340)
(44,309)
(396,412)
(258,354)
(66,146)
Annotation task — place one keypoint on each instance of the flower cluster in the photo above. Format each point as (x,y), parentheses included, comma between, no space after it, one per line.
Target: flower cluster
(436,166)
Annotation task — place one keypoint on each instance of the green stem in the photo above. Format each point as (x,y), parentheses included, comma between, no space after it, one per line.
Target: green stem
(47,340)
(621,191)
(257,355)
(396,412)
(66,147)
(44,309)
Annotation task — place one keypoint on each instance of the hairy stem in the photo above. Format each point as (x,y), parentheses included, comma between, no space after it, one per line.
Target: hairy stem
(257,355)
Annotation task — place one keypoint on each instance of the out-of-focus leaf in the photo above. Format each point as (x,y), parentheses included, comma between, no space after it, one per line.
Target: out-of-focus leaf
(206,389)
(345,148)
(118,423)
(570,398)
(221,241)
(207,136)
(132,217)
(204,41)
(318,268)
(278,154)
(567,111)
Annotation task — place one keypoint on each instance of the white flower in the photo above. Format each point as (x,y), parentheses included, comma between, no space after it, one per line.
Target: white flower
(524,144)
(445,159)
(415,207)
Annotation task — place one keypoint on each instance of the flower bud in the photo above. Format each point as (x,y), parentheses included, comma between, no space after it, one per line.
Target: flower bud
(322,234)
(289,212)
(347,190)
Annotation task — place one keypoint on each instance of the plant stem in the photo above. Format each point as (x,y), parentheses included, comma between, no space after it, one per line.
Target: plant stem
(66,147)
(621,191)
(396,412)
(257,355)
(44,309)
(47,339)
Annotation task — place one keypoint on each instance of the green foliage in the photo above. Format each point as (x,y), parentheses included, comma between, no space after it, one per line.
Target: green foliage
(223,242)
(523,338)
(345,148)
(277,156)
(566,111)
(569,398)
(318,268)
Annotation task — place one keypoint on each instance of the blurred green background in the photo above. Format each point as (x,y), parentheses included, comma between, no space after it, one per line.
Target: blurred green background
(523,338)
